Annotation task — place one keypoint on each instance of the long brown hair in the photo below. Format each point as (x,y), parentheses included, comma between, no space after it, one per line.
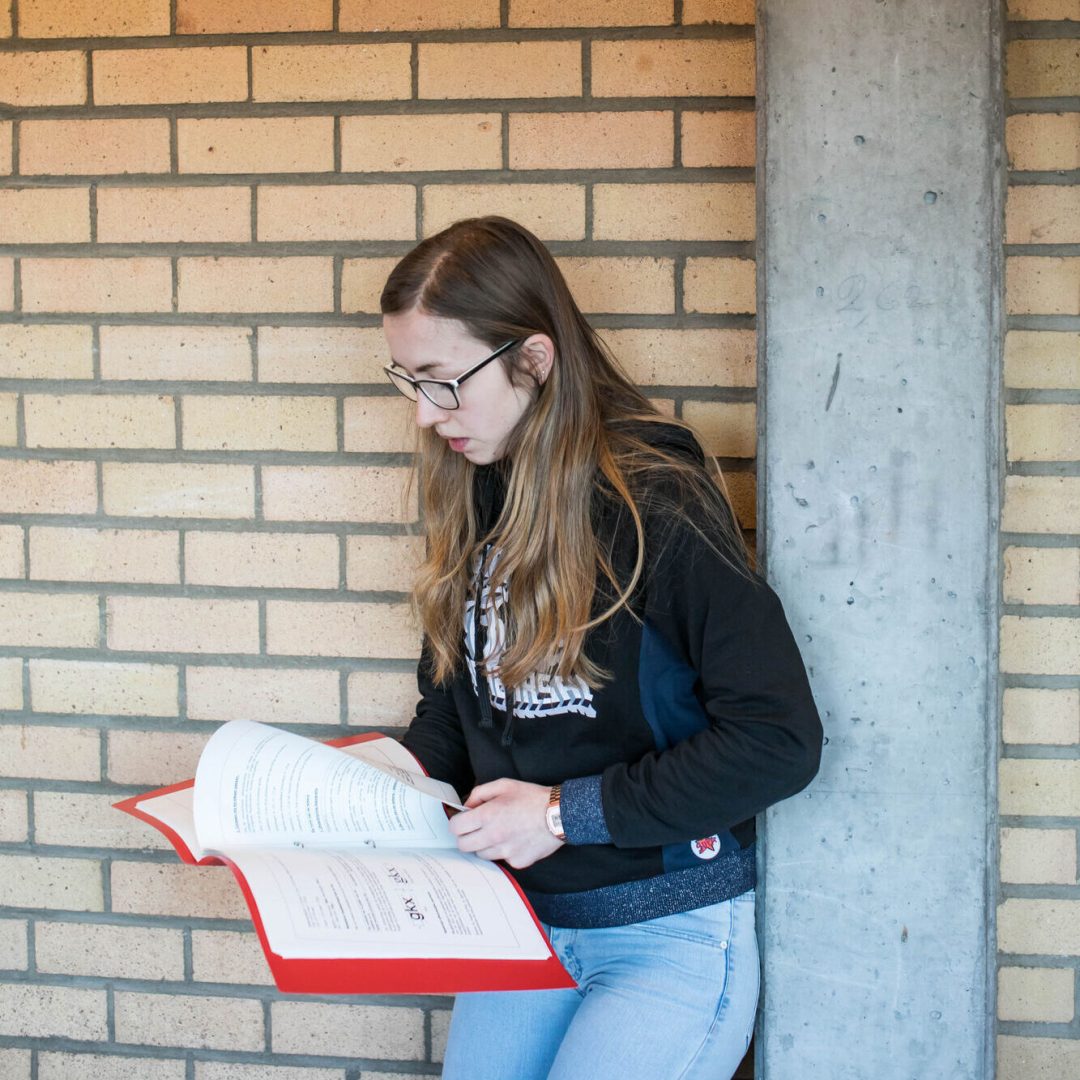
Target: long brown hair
(585,433)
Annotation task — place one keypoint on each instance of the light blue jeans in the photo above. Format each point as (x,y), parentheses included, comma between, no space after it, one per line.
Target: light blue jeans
(670,999)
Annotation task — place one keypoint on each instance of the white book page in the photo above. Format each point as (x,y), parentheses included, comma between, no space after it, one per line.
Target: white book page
(258,785)
(370,903)
(175,810)
(389,756)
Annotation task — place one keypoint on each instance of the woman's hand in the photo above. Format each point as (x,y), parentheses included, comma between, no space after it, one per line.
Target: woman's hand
(506,820)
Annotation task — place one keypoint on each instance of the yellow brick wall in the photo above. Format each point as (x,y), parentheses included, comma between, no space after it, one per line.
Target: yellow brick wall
(202,465)
(1039,781)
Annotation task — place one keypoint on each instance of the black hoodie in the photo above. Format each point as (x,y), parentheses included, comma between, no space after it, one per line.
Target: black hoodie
(706,720)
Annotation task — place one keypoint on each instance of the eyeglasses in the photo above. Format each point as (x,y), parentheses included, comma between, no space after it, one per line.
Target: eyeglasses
(442,393)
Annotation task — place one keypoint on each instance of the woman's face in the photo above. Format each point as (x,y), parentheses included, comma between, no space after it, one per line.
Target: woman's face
(428,347)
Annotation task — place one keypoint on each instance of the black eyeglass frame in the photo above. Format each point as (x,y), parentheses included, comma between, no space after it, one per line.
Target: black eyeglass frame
(394,374)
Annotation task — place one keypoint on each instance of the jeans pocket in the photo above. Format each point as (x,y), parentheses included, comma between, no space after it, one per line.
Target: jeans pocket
(709,926)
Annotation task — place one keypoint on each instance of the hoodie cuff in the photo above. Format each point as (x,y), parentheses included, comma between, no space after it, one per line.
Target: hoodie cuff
(582,810)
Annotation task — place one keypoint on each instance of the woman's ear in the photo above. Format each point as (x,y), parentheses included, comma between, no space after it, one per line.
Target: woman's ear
(539,352)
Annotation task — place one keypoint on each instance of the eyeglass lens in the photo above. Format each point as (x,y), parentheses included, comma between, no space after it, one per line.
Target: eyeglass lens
(439,394)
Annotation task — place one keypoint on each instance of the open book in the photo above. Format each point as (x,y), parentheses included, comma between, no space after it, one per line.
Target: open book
(344,854)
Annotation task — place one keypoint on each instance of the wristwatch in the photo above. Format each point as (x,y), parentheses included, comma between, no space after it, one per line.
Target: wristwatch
(554,814)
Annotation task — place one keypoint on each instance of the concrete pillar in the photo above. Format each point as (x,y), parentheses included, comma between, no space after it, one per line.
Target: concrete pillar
(879,329)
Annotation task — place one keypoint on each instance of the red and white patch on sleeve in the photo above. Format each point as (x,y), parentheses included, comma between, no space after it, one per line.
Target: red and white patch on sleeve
(708,848)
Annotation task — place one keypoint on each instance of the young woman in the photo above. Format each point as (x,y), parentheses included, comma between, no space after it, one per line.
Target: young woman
(615,689)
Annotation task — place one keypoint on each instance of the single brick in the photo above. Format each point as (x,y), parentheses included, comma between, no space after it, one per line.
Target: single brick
(90,421)
(6,30)
(1042,575)
(85,18)
(52,1012)
(190,892)
(118,952)
(552,211)
(1042,68)
(267,16)
(235,422)
(367,15)
(7,284)
(50,753)
(97,285)
(180,624)
(274,695)
(1036,994)
(228,956)
(353,1031)
(12,562)
(181,490)
(71,554)
(94,147)
(686,357)
(522,69)
(1042,285)
(47,487)
(362,282)
(379,424)
(74,819)
(383,562)
(262,560)
(9,421)
(335,628)
(216,1023)
(100,688)
(592,140)
(274,144)
(14,829)
(11,695)
(42,620)
(13,953)
(135,215)
(720,286)
(727,429)
(416,143)
(1038,856)
(1041,716)
(1042,214)
(15,1065)
(382,698)
(337,212)
(36,881)
(556,13)
(1042,359)
(322,354)
(1040,787)
(673,212)
(44,215)
(6,147)
(336,493)
(718,11)
(56,1066)
(1042,432)
(154,757)
(625,284)
(267,283)
(440,1030)
(1042,504)
(1050,927)
(1043,141)
(692,67)
(41,351)
(1040,646)
(168,76)
(331,72)
(234,1070)
(1044,9)
(201,353)
(42,78)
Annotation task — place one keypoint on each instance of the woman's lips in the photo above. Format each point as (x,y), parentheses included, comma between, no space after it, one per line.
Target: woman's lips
(458,444)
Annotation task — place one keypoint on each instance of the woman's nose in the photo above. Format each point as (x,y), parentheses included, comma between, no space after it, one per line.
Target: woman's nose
(427,412)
